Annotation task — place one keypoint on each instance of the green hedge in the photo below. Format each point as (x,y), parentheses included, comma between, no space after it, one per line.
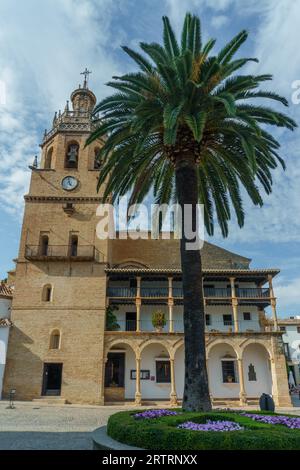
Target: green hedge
(162,433)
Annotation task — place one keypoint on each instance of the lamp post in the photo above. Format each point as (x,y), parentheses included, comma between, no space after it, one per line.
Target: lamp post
(12,393)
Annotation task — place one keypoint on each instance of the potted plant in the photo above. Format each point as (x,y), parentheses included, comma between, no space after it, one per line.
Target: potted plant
(111,319)
(158,320)
(229,378)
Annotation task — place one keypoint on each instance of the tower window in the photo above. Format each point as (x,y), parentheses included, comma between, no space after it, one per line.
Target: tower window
(44,245)
(47,293)
(72,156)
(48,159)
(97,161)
(73,245)
(55,340)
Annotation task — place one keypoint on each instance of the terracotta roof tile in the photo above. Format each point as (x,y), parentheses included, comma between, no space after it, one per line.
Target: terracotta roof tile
(5,322)
(5,290)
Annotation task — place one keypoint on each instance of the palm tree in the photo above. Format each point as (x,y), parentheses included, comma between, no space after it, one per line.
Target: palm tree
(185,126)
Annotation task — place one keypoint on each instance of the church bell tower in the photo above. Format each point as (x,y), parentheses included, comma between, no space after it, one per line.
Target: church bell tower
(58,310)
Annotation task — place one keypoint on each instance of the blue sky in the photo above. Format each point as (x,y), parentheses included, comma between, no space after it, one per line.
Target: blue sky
(45,46)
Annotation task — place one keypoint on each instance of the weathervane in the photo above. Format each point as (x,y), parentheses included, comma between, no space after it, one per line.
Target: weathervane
(86,77)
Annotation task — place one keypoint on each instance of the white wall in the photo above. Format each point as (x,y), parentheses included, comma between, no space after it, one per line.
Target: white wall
(150,389)
(256,355)
(216,313)
(5,308)
(217,388)
(4,333)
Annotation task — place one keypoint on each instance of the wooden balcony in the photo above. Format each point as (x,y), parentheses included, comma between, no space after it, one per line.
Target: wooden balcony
(63,253)
(209,293)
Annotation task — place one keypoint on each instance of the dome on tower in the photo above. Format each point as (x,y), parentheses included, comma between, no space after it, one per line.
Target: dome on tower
(82,98)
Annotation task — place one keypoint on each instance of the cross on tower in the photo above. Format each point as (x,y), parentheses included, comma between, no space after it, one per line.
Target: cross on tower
(86,73)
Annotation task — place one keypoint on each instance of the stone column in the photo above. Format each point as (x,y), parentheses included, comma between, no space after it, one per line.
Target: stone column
(173,394)
(280,387)
(170,305)
(138,395)
(273,303)
(102,391)
(138,286)
(170,282)
(171,321)
(243,396)
(138,302)
(234,303)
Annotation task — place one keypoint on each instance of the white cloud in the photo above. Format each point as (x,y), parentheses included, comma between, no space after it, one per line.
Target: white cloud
(219,20)
(178,8)
(288,297)
(52,43)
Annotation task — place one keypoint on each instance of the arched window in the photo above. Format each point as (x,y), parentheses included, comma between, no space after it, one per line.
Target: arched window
(55,339)
(47,293)
(73,245)
(72,155)
(44,245)
(97,161)
(48,159)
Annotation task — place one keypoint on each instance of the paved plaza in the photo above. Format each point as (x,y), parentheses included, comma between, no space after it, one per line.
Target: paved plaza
(34,426)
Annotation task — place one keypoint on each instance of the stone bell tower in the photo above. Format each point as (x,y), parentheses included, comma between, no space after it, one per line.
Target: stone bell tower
(56,344)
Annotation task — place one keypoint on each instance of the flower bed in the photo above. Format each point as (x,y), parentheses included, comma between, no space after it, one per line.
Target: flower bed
(289,421)
(216,426)
(177,430)
(150,414)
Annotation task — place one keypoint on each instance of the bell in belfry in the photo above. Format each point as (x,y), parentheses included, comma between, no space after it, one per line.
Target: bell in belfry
(73,155)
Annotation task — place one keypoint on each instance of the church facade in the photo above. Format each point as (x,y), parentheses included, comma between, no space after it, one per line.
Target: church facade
(68,282)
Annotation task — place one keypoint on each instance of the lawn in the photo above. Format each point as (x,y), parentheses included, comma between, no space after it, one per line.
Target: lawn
(231,430)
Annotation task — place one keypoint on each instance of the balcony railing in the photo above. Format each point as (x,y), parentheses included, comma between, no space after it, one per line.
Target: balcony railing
(63,252)
(217,292)
(250,292)
(154,292)
(122,292)
(209,292)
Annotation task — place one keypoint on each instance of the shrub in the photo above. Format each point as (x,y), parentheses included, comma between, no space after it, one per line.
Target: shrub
(163,434)
(111,319)
(159,319)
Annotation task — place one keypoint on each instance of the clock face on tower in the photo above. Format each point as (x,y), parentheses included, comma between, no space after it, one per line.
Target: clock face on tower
(69,183)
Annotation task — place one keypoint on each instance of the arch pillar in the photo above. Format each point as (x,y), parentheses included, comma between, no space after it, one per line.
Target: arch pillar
(138,395)
(243,395)
(173,394)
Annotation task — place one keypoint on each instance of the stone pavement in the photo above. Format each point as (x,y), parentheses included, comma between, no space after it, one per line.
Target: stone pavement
(34,426)
(48,427)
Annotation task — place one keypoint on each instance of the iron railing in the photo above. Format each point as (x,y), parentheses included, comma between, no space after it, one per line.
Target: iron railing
(55,252)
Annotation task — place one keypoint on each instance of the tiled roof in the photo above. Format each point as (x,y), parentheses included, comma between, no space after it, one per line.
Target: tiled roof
(5,322)
(5,291)
(273,271)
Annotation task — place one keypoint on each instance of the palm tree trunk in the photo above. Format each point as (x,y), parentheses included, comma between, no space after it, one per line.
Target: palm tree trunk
(196,392)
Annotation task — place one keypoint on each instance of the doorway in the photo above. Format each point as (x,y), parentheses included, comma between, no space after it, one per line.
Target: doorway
(52,378)
(115,370)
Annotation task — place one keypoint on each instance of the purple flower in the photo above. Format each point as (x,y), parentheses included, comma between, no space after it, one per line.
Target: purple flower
(217,426)
(150,414)
(288,421)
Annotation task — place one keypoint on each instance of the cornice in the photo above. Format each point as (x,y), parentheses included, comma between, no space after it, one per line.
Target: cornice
(59,199)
